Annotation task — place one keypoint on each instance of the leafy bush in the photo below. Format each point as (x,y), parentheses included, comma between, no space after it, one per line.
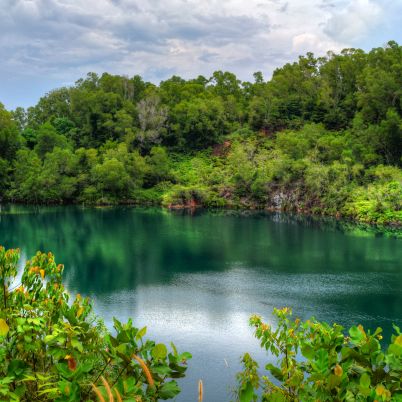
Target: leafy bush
(51,349)
(317,362)
(183,196)
(378,203)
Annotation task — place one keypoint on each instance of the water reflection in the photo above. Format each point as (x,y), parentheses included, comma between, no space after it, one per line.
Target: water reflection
(195,279)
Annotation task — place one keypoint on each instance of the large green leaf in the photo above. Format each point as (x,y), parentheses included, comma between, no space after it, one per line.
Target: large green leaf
(159,351)
(277,373)
(356,335)
(247,393)
(169,390)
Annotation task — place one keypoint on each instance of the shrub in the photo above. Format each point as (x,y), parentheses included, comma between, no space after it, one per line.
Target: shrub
(51,349)
(378,203)
(317,362)
(184,196)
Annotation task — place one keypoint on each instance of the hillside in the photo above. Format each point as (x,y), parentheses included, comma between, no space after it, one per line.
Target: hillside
(322,136)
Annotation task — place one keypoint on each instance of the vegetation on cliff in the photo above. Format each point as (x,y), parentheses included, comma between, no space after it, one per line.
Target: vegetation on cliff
(324,136)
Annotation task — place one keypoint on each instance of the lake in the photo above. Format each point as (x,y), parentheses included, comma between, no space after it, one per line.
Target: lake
(195,279)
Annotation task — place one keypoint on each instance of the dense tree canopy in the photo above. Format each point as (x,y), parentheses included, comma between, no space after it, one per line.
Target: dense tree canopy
(323,135)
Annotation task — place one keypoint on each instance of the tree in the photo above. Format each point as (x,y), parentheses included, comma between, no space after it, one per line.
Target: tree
(198,123)
(10,140)
(159,166)
(27,170)
(112,178)
(152,118)
(47,138)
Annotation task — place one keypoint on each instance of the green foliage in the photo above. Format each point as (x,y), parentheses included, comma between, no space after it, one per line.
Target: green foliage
(378,203)
(47,139)
(315,361)
(10,139)
(52,348)
(198,123)
(308,140)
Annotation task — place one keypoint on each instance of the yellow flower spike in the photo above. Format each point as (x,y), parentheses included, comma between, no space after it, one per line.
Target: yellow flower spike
(264,327)
(338,371)
(381,390)
(80,311)
(118,396)
(108,390)
(200,391)
(98,393)
(42,273)
(145,370)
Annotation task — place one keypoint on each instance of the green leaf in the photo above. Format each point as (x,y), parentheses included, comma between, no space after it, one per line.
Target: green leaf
(64,371)
(277,396)
(159,351)
(275,371)
(365,381)
(49,338)
(247,393)
(395,350)
(4,328)
(141,333)
(321,363)
(185,356)
(174,349)
(308,352)
(20,390)
(76,344)
(169,390)
(333,381)
(162,370)
(356,336)
(17,368)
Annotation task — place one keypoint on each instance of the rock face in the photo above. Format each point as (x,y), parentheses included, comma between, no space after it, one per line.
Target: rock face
(186,204)
(282,200)
(221,149)
(288,200)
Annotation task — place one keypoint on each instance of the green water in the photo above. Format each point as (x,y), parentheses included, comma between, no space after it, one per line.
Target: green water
(195,279)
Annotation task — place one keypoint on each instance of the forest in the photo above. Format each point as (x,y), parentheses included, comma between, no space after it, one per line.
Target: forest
(322,136)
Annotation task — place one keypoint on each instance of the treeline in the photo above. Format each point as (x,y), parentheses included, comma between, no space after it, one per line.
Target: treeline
(324,135)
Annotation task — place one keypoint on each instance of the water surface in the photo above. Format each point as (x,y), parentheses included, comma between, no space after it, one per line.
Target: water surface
(196,279)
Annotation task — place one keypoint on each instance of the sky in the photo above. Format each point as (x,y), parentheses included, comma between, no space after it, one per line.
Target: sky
(46,44)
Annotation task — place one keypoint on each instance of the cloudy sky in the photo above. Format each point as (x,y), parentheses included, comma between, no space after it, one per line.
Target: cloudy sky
(46,44)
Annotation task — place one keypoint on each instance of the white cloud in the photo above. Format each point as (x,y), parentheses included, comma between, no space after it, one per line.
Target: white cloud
(306,42)
(61,40)
(352,22)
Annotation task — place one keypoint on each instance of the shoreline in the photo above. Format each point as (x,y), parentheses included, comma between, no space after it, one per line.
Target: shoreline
(235,208)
